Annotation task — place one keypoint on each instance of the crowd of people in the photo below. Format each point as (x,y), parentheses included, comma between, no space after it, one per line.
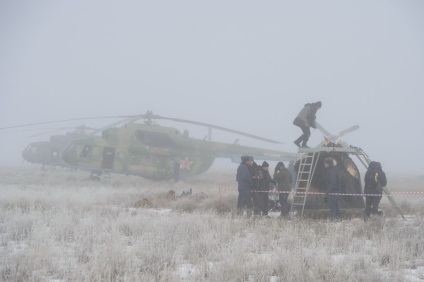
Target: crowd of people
(255,182)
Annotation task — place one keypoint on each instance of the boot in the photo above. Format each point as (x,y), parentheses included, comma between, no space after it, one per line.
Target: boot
(304,145)
(297,143)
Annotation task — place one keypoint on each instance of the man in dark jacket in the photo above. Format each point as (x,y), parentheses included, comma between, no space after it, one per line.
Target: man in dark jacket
(245,183)
(176,169)
(305,120)
(375,179)
(284,179)
(333,184)
(261,184)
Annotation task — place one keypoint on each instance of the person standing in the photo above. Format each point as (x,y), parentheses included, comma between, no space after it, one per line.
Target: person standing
(245,183)
(176,170)
(305,120)
(375,179)
(284,179)
(334,187)
(264,181)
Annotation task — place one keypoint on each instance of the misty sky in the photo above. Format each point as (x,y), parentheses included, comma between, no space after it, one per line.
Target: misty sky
(247,65)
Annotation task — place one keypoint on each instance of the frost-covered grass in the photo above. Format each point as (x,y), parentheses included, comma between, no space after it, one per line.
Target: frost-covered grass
(54,226)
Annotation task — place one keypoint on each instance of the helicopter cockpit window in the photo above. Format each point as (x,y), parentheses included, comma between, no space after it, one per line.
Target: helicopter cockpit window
(87,151)
(157,139)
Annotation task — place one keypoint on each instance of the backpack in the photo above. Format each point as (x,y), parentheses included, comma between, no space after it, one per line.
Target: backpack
(373,179)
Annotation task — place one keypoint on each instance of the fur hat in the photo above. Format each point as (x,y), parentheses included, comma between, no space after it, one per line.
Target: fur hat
(244,158)
(265,164)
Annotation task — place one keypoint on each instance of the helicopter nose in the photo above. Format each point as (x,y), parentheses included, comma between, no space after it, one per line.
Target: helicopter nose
(28,153)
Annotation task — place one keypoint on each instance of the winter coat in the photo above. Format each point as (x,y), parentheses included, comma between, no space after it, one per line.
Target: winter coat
(306,117)
(374,172)
(244,177)
(257,175)
(284,179)
(332,180)
(265,181)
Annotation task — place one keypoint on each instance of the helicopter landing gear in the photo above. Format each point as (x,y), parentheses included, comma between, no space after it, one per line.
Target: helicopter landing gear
(95,175)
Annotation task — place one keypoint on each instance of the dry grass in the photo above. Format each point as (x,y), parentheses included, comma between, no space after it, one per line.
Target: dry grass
(57,227)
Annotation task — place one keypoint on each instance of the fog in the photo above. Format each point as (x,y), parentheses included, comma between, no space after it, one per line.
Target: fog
(246,65)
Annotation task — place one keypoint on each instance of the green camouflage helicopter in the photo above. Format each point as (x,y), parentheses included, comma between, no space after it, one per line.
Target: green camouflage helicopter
(154,151)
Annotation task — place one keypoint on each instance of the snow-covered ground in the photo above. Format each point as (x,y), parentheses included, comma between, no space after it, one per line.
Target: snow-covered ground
(56,226)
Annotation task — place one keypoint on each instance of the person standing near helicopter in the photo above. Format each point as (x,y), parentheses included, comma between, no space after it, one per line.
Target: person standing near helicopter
(261,184)
(305,120)
(245,184)
(375,179)
(284,179)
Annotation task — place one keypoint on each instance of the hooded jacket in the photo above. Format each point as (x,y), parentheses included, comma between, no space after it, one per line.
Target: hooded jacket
(265,182)
(374,171)
(307,116)
(283,178)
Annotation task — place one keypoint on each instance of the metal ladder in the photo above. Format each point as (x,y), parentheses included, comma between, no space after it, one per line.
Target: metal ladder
(303,182)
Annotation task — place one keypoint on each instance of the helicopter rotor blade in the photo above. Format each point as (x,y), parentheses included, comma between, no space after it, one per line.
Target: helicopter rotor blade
(323,130)
(335,136)
(218,127)
(148,117)
(63,120)
(349,130)
(344,132)
(82,127)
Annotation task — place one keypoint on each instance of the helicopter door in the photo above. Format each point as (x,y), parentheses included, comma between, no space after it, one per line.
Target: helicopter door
(108,157)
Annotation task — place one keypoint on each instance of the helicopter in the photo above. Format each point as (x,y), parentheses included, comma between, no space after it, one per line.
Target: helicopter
(153,151)
(47,153)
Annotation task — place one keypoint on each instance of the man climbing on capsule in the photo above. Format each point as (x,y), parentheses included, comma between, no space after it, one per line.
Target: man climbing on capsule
(305,120)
